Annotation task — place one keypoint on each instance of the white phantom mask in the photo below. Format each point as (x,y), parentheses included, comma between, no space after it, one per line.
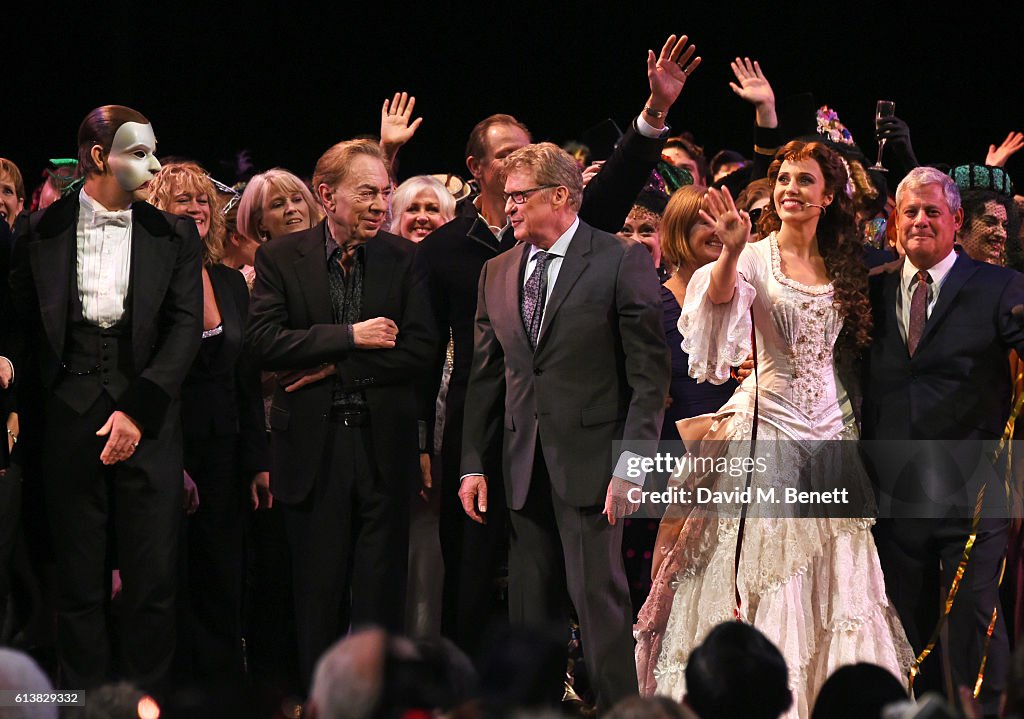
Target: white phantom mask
(131,155)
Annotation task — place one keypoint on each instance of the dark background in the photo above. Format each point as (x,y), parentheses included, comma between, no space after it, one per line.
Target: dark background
(288,81)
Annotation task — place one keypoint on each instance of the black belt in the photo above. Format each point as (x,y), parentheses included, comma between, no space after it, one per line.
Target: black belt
(350,416)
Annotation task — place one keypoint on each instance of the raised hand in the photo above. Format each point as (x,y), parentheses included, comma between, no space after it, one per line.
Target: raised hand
(669,71)
(591,171)
(395,128)
(896,133)
(732,226)
(754,88)
(997,156)
(753,85)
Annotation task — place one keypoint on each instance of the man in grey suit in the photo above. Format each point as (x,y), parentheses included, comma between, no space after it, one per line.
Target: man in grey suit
(570,358)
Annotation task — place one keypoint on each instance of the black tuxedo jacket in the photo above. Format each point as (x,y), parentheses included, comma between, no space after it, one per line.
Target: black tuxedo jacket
(165,291)
(291,327)
(957,385)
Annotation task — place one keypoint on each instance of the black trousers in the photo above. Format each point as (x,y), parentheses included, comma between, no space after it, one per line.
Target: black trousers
(473,553)
(557,547)
(210,633)
(919,558)
(349,541)
(131,510)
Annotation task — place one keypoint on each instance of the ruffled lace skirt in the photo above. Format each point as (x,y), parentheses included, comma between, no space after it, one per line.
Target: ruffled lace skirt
(813,586)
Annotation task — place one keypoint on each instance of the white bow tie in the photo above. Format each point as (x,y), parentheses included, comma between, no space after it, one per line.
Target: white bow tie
(119,218)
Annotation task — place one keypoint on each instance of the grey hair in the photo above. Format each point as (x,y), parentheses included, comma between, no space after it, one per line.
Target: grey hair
(349,676)
(921,176)
(19,671)
(551,165)
(405,193)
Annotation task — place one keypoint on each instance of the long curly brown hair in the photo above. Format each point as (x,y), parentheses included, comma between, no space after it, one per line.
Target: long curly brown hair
(838,241)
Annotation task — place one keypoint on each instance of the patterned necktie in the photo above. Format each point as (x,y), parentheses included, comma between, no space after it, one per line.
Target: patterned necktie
(918,311)
(534,294)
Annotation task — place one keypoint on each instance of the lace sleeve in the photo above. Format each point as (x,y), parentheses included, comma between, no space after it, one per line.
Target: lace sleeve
(716,337)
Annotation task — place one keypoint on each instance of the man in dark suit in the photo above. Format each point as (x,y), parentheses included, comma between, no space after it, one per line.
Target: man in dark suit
(344,297)
(107,296)
(570,358)
(938,370)
(454,255)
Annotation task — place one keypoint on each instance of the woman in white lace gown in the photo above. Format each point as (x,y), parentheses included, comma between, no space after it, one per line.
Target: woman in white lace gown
(812,585)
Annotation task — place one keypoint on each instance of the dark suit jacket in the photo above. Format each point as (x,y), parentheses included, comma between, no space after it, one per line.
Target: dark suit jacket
(957,384)
(291,327)
(455,253)
(600,373)
(165,292)
(221,395)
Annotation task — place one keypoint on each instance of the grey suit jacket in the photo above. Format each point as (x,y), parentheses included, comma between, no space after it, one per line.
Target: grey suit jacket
(599,375)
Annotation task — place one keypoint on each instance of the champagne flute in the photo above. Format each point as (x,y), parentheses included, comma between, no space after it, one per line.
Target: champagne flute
(883,108)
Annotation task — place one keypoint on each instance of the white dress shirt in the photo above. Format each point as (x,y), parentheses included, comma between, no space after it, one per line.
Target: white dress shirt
(104,243)
(908,285)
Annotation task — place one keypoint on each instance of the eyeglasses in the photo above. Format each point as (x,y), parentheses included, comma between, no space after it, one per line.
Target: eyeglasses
(755,214)
(520,197)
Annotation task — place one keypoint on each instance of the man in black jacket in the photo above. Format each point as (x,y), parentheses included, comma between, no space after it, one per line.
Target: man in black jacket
(107,298)
(938,381)
(344,296)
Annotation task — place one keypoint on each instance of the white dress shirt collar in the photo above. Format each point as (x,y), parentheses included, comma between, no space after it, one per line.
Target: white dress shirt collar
(561,245)
(938,271)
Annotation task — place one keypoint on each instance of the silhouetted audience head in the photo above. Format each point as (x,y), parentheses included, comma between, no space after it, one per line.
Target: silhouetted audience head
(737,672)
(373,675)
(656,707)
(1013,700)
(857,691)
(114,701)
(523,668)
(19,671)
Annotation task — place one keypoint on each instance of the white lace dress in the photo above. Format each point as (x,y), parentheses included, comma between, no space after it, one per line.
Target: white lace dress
(812,586)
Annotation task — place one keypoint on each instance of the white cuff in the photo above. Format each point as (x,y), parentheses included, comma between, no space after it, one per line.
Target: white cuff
(630,468)
(648,130)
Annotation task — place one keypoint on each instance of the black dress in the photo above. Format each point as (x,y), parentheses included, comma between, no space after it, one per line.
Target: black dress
(225,445)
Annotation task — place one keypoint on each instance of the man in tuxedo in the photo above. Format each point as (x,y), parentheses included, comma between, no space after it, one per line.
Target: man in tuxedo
(453,257)
(107,296)
(570,358)
(344,299)
(938,370)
